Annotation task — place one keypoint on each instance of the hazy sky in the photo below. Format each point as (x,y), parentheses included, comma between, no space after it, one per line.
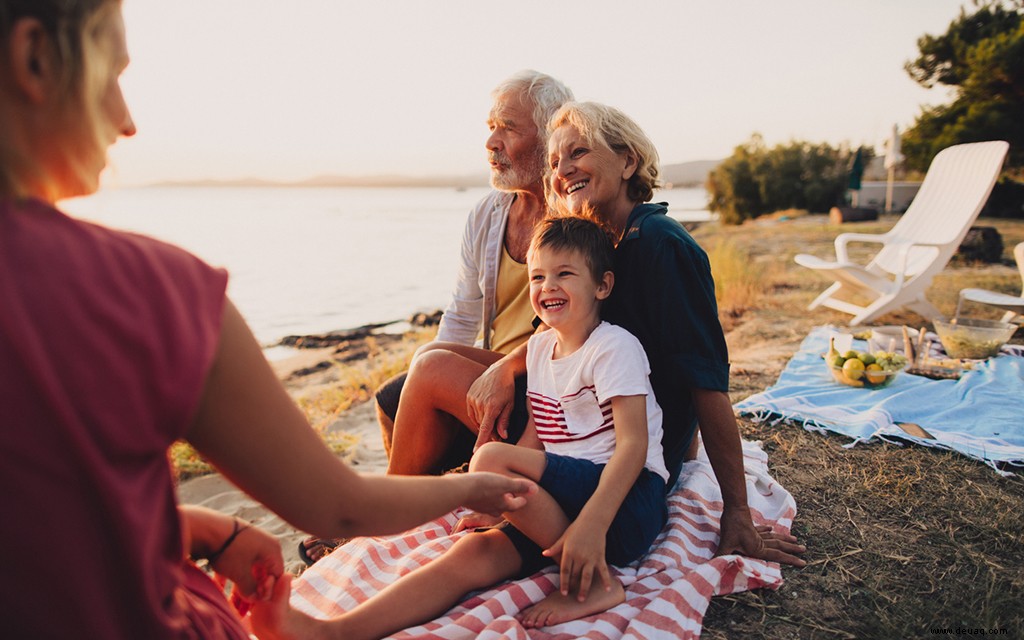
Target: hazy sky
(289,90)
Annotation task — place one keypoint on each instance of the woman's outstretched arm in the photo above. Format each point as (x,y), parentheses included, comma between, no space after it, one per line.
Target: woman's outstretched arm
(250,429)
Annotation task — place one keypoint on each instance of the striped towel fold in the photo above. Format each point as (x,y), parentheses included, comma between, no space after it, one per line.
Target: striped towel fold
(667,591)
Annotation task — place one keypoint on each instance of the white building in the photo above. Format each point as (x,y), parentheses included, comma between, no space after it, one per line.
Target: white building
(872,194)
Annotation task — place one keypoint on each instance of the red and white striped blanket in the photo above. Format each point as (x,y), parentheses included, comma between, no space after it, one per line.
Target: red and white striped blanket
(667,591)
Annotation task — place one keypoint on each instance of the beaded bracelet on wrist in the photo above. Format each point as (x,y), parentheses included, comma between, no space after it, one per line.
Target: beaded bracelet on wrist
(238,528)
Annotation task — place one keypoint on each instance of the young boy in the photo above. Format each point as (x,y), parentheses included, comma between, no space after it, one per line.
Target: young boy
(593,444)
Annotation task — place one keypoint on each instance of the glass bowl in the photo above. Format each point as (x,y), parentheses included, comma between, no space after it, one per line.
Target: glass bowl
(867,379)
(973,338)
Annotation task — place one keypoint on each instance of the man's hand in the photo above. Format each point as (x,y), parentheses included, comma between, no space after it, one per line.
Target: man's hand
(580,555)
(493,494)
(489,403)
(739,535)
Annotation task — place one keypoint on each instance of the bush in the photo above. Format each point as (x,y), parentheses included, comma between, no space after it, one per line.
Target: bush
(1006,201)
(756,180)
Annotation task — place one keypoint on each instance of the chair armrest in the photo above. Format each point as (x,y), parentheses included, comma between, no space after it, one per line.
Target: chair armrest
(845,238)
(903,252)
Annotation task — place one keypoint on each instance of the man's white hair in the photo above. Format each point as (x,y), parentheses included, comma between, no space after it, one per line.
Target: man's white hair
(546,94)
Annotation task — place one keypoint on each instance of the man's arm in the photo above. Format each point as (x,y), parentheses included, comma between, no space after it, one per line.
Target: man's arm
(462,318)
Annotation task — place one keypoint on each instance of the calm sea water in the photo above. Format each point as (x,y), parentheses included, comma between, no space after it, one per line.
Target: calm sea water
(312,260)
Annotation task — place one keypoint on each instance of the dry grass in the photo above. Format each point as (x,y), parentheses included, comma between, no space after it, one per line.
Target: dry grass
(353,381)
(739,284)
(901,540)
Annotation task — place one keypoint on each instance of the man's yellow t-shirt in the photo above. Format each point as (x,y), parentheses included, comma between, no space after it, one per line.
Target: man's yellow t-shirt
(513,322)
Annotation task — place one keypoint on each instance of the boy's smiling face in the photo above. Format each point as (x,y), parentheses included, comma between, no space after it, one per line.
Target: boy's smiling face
(563,291)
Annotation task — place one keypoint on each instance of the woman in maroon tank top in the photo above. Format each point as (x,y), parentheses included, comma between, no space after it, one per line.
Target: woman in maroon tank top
(112,347)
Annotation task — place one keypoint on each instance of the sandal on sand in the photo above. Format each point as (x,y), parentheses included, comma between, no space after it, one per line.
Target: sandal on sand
(312,549)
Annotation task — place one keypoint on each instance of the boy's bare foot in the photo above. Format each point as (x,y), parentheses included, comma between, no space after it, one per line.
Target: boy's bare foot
(556,608)
(277,620)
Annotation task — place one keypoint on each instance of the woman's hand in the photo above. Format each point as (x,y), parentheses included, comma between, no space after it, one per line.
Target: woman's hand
(739,535)
(236,550)
(493,494)
(580,554)
(252,557)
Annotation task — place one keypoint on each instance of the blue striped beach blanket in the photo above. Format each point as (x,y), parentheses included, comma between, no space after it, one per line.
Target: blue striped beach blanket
(981,415)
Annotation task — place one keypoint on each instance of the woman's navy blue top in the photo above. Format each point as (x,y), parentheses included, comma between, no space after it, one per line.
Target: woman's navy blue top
(665,296)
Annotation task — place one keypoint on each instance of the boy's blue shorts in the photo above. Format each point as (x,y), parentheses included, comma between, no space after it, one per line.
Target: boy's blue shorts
(571,482)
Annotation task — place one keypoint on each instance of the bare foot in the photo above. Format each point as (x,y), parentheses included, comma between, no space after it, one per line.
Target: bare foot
(556,608)
(276,620)
(314,549)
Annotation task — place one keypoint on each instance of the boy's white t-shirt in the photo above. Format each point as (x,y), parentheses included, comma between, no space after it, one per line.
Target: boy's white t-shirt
(571,397)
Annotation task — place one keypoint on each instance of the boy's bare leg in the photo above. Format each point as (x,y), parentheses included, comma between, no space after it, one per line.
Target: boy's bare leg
(544,522)
(542,519)
(475,561)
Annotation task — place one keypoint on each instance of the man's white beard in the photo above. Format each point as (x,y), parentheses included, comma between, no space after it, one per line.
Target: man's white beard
(521,177)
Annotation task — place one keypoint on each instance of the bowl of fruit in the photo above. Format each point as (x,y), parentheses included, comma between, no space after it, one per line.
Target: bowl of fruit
(862,369)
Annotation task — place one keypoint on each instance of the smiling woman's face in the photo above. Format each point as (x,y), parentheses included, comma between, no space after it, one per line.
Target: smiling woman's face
(587,173)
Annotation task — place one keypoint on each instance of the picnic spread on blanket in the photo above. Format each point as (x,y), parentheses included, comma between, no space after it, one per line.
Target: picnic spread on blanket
(667,590)
(980,415)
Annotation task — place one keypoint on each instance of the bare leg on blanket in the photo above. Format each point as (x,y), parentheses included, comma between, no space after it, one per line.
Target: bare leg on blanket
(475,561)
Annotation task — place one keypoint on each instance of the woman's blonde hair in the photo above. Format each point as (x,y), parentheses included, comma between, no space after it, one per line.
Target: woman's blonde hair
(74,28)
(598,123)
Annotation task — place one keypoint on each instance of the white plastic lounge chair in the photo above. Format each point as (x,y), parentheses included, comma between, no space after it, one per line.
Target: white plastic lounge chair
(1013,305)
(920,244)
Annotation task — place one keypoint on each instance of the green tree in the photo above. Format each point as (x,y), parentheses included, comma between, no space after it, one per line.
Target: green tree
(981,55)
(733,186)
(756,180)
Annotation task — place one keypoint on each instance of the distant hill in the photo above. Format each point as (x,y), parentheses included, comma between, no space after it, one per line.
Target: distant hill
(458,182)
(464,181)
(684,174)
(688,174)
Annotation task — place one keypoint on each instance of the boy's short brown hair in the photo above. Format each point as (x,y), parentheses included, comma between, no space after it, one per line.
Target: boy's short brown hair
(576,233)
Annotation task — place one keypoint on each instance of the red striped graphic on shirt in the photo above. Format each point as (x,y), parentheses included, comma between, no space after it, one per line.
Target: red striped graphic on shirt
(549,418)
